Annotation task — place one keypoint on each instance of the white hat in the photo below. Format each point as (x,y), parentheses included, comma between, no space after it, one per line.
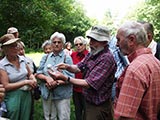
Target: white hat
(99,33)
(12,30)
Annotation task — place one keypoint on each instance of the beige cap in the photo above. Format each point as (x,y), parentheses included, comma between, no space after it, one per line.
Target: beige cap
(99,33)
(12,30)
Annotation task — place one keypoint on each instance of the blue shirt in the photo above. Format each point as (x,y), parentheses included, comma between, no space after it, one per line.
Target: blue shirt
(13,73)
(62,91)
(121,60)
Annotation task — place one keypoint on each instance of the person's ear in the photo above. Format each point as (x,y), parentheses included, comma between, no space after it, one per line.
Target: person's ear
(131,40)
(149,37)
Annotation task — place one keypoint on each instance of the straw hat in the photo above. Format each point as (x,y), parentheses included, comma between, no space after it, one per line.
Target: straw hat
(8,39)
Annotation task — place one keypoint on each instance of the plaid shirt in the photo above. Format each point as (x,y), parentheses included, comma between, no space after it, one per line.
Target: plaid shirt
(99,74)
(139,87)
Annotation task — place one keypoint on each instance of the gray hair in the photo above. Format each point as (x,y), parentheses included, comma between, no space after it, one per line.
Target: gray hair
(135,28)
(22,43)
(59,36)
(47,42)
(147,26)
(81,39)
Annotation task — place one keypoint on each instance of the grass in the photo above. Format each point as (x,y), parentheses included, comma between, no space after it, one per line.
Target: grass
(38,109)
(36,57)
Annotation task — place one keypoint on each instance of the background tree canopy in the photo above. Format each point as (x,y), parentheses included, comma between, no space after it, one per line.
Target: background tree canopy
(147,11)
(36,20)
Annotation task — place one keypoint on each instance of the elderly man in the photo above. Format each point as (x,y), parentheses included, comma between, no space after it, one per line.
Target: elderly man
(55,94)
(98,68)
(139,85)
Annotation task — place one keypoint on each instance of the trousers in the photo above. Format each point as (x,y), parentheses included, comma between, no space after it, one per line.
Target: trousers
(56,108)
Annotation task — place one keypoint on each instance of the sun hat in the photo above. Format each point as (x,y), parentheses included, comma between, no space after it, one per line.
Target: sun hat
(8,39)
(12,30)
(99,33)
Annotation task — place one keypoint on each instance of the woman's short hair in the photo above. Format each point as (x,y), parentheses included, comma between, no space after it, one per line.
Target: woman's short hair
(47,42)
(58,35)
(81,39)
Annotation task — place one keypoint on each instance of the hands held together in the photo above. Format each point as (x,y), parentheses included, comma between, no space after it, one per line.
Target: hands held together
(57,74)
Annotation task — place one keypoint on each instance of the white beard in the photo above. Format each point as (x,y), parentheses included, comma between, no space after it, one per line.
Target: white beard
(95,51)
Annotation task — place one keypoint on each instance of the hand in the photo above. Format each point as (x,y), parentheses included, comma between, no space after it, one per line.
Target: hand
(31,83)
(57,75)
(51,83)
(62,66)
(32,77)
(2,92)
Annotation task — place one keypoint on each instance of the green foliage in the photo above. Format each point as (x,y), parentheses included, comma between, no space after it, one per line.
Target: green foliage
(109,22)
(148,11)
(36,20)
(38,110)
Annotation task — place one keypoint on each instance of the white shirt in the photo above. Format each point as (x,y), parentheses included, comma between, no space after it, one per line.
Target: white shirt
(153,46)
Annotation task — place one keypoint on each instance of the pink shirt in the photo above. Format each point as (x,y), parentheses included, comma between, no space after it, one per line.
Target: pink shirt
(139,87)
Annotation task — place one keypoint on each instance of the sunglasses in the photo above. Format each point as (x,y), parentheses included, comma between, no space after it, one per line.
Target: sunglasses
(80,44)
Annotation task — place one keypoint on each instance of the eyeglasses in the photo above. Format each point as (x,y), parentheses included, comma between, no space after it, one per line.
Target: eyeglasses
(54,42)
(80,44)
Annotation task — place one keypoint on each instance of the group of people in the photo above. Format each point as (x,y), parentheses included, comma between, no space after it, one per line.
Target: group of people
(56,95)
(16,76)
(137,88)
(119,78)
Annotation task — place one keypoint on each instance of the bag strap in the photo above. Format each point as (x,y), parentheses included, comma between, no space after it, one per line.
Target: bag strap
(46,58)
(29,71)
(64,58)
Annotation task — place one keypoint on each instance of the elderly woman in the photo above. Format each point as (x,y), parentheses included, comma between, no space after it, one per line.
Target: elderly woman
(17,79)
(30,62)
(77,56)
(47,47)
(55,94)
